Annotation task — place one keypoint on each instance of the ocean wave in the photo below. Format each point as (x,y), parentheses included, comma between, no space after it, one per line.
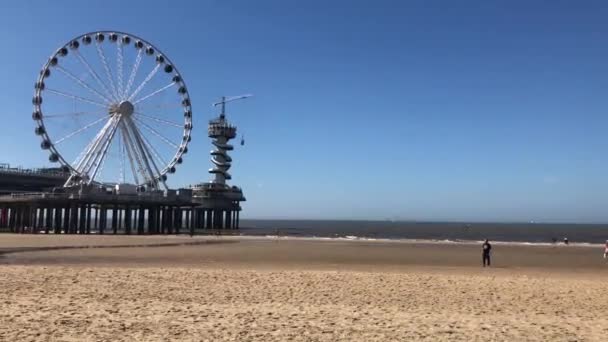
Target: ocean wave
(354,238)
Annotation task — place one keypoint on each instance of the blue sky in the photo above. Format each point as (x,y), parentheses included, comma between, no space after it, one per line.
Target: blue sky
(426,110)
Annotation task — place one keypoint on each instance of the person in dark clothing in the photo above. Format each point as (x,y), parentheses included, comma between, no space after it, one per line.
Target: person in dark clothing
(486,248)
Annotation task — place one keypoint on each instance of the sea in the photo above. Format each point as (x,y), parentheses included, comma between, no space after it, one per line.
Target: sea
(435,231)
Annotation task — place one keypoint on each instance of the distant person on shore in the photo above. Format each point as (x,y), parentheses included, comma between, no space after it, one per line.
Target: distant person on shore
(606,250)
(565,241)
(486,248)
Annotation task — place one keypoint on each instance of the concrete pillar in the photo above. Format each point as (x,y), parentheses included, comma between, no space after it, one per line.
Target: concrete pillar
(22,213)
(88,219)
(217,219)
(49,219)
(164,220)
(141,220)
(115,220)
(192,220)
(97,214)
(209,219)
(40,223)
(31,218)
(19,221)
(34,219)
(228,219)
(57,219)
(160,220)
(73,219)
(3,213)
(238,221)
(178,218)
(12,219)
(24,218)
(102,216)
(128,216)
(15,218)
(120,219)
(169,213)
(155,220)
(65,225)
(82,219)
(188,217)
(151,220)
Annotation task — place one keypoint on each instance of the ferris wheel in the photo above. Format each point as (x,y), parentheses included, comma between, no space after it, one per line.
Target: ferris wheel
(112,109)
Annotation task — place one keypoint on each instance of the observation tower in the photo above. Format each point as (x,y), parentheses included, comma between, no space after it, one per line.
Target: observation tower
(220,202)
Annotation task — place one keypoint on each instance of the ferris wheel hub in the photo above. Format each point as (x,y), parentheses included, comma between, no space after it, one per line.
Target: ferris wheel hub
(125,108)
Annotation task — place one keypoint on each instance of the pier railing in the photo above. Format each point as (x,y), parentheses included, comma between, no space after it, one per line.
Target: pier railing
(36,172)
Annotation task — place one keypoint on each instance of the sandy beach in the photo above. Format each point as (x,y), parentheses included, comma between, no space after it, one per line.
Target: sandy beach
(239,289)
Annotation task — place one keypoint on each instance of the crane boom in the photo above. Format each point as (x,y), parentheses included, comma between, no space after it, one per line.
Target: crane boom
(229,99)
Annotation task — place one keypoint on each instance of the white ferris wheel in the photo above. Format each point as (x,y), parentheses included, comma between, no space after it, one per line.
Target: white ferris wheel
(112,109)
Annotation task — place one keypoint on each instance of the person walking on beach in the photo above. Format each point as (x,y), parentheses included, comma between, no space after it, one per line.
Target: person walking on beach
(606,250)
(486,248)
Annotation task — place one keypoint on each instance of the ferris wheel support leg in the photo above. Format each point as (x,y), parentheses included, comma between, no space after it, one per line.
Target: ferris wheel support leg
(143,151)
(88,153)
(130,152)
(103,153)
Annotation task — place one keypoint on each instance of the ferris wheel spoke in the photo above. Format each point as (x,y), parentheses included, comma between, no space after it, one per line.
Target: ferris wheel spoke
(160,90)
(102,57)
(145,81)
(133,72)
(83,84)
(80,130)
(158,157)
(51,116)
(154,151)
(155,132)
(159,106)
(75,97)
(163,121)
(119,68)
(81,155)
(93,73)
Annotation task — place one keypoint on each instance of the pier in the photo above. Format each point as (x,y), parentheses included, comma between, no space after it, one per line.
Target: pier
(172,212)
(113,167)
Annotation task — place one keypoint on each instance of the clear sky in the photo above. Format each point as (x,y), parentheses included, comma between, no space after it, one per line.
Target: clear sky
(426,110)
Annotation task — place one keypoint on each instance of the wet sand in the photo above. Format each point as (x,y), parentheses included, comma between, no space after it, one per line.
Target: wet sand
(279,289)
